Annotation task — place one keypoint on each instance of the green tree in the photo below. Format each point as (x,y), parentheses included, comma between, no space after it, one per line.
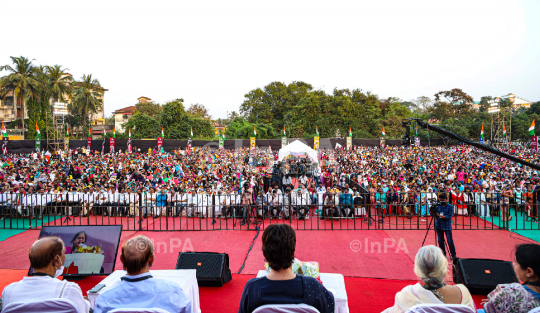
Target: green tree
(199,110)
(21,80)
(87,97)
(150,108)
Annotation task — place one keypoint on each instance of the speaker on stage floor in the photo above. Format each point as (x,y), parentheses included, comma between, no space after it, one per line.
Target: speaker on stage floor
(212,268)
(481,276)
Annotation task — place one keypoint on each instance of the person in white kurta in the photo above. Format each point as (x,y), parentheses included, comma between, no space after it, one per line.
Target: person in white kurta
(47,257)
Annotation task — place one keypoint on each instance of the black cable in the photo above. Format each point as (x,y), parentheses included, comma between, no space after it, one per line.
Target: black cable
(250,247)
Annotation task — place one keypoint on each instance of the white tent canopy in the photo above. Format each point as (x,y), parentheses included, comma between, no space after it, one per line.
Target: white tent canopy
(298,148)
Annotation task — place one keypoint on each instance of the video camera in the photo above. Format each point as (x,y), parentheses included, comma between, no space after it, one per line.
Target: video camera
(434,207)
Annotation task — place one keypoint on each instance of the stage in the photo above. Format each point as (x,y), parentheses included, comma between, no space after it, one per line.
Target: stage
(376,263)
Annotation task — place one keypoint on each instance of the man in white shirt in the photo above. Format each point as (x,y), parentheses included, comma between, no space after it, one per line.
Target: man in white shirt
(47,256)
(138,289)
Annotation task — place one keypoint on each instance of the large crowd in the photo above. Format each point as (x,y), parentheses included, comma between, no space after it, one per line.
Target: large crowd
(202,182)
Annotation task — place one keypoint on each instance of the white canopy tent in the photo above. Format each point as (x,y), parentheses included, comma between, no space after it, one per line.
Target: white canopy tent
(298,148)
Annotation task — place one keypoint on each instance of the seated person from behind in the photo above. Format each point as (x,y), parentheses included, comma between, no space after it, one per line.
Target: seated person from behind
(138,289)
(282,286)
(517,298)
(47,256)
(431,266)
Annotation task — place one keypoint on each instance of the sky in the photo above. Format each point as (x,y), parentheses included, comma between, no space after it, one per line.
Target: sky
(214,52)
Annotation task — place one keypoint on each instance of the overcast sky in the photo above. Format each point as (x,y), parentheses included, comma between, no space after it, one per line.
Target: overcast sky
(214,52)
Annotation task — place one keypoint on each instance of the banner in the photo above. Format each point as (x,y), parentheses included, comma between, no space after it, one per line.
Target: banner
(38,144)
(189,143)
(534,143)
(349,143)
(383,143)
(5,140)
(482,139)
(129,145)
(417,141)
(66,143)
(283,141)
(252,143)
(103,146)
(221,142)
(316,142)
(159,143)
(112,140)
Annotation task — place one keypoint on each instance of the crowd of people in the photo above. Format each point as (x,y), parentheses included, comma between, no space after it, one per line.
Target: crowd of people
(202,182)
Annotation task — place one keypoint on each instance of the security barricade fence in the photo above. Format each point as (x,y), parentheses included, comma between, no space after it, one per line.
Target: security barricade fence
(343,209)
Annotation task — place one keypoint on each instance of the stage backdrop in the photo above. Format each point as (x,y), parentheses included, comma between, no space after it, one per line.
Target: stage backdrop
(27,146)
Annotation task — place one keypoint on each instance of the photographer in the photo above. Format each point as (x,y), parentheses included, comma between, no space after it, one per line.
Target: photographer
(443,213)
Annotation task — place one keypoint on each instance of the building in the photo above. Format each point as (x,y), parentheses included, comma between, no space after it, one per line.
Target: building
(123,115)
(517,101)
(218,129)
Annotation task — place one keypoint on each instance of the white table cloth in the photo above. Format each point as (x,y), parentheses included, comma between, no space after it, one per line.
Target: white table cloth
(187,279)
(335,283)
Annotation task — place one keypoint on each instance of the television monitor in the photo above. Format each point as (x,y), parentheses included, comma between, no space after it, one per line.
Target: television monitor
(90,250)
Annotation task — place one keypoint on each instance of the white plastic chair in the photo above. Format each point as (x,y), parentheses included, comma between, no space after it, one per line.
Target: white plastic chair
(535,310)
(136,310)
(55,305)
(286,308)
(440,308)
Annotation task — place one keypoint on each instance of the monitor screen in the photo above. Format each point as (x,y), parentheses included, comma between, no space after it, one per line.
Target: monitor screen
(90,250)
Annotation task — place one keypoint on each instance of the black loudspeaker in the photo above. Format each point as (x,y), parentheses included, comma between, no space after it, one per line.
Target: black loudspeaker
(481,276)
(212,268)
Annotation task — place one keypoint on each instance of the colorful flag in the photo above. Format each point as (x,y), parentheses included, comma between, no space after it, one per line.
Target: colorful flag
(317,130)
(383,133)
(255,131)
(531,129)
(129,141)
(129,132)
(4,131)
(191,132)
(38,139)
(284,132)
(482,133)
(224,133)
(38,133)
(504,130)
(350,132)
(67,130)
(416,130)
(162,133)
(114,132)
(89,132)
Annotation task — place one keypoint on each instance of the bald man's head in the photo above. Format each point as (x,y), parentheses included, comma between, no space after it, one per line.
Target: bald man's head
(137,252)
(44,250)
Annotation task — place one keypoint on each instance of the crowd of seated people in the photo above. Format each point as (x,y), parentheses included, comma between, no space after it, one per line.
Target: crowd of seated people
(138,289)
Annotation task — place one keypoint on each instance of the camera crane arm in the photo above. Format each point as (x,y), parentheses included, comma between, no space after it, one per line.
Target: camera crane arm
(486,148)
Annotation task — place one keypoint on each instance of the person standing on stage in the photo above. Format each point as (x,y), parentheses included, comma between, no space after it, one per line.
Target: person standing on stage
(443,224)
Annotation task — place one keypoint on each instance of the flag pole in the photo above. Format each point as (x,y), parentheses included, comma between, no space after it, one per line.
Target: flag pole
(429,142)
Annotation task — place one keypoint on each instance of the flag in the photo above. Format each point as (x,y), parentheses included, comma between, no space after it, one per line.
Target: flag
(255,131)
(114,132)
(89,132)
(416,130)
(531,129)
(224,133)
(284,132)
(67,130)
(191,132)
(38,139)
(38,133)
(4,131)
(317,130)
(504,130)
(383,133)
(129,132)
(162,133)
(482,133)
(350,132)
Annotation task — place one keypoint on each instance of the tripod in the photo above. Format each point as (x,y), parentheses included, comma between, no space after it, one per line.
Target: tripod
(446,247)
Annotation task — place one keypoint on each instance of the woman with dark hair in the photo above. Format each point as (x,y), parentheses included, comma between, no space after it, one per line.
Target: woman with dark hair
(78,240)
(281,285)
(518,298)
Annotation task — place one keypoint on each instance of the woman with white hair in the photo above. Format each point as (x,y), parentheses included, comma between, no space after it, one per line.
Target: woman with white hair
(431,266)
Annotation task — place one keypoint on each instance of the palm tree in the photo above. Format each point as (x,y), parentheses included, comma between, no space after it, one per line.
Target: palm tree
(21,81)
(59,83)
(87,97)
